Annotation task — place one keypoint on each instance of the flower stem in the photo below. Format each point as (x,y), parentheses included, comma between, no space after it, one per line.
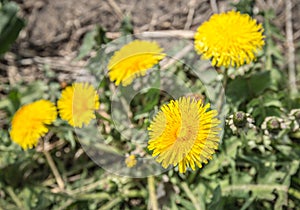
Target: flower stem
(111,203)
(152,194)
(14,197)
(190,194)
(99,116)
(221,98)
(54,170)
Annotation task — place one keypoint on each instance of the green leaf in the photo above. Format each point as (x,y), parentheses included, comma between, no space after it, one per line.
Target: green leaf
(244,88)
(10,25)
(34,91)
(227,153)
(245,6)
(237,90)
(216,202)
(186,203)
(92,39)
(126,26)
(277,78)
(101,37)
(88,43)
(272,102)
(258,82)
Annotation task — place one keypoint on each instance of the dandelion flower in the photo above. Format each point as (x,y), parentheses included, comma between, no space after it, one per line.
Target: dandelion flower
(184,133)
(229,39)
(130,161)
(29,123)
(133,60)
(78,104)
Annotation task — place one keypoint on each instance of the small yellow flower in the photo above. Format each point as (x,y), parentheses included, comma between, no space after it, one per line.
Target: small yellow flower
(78,104)
(229,39)
(130,161)
(133,60)
(183,133)
(29,123)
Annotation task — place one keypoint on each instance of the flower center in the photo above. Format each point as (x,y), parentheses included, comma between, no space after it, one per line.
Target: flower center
(80,107)
(184,133)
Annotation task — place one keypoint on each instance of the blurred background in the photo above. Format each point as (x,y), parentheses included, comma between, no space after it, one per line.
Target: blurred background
(54,30)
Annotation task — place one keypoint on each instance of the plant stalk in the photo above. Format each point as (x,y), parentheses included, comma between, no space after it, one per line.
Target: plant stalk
(152,194)
(54,170)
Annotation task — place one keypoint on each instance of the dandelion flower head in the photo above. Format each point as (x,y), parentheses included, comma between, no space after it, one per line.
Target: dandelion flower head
(229,39)
(184,133)
(29,123)
(133,60)
(78,103)
(130,161)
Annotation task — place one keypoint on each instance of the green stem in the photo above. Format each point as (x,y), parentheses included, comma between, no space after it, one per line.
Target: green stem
(112,203)
(247,187)
(89,187)
(94,196)
(221,98)
(99,116)
(152,194)
(269,60)
(54,170)
(135,193)
(191,196)
(14,197)
(294,193)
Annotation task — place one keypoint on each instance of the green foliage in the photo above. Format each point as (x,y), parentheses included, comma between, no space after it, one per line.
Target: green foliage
(10,25)
(243,88)
(245,6)
(92,39)
(126,26)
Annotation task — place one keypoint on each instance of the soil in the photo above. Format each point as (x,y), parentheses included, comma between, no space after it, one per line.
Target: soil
(55,28)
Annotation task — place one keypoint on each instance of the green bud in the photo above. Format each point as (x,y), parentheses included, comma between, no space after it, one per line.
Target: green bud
(239,119)
(273,125)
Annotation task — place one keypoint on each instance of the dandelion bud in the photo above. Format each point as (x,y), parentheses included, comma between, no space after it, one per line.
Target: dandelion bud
(239,119)
(273,125)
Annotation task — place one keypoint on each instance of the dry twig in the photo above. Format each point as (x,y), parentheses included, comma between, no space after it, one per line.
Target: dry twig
(214,6)
(116,9)
(186,34)
(190,16)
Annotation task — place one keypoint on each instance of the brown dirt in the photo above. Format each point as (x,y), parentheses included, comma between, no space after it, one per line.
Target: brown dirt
(55,28)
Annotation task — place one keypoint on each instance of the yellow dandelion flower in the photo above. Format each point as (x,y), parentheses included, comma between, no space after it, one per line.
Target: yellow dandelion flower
(130,161)
(184,133)
(132,60)
(78,104)
(229,39)
(29,123)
